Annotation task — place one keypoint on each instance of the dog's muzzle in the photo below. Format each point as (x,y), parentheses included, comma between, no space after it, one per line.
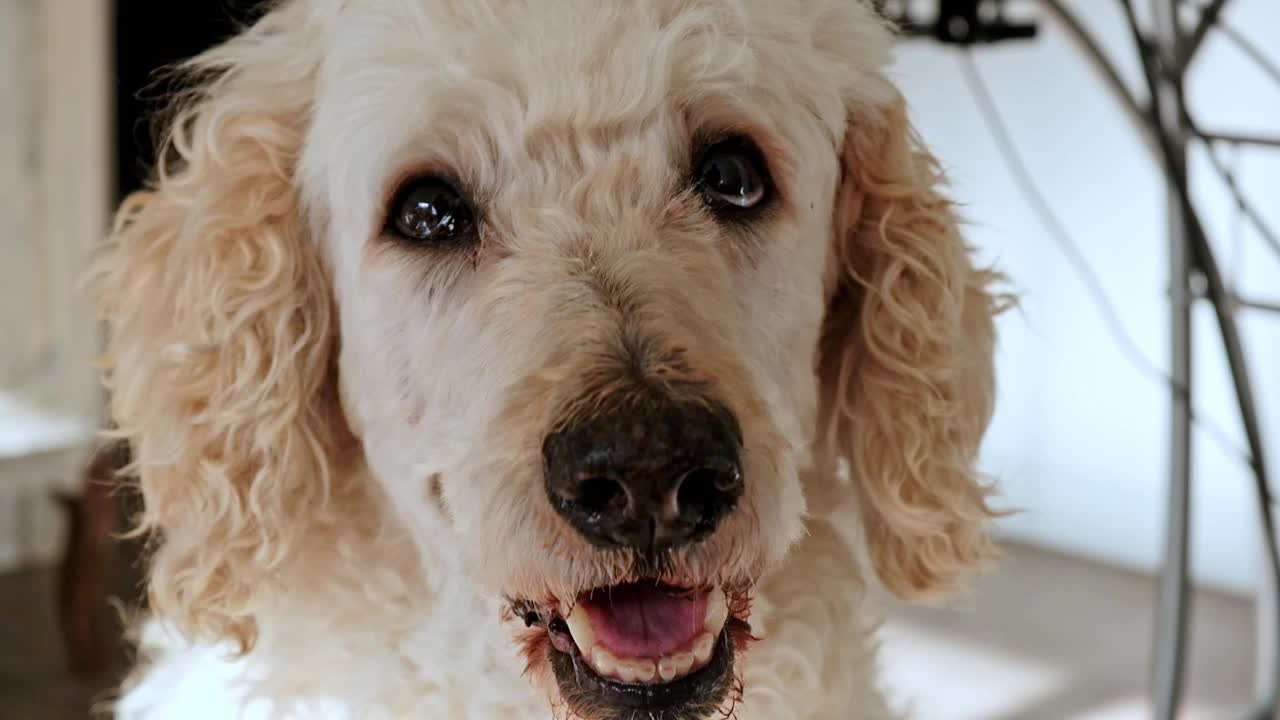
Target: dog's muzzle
(643,475)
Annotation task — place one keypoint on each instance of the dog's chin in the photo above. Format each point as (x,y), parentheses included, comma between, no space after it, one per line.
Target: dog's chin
(640,650)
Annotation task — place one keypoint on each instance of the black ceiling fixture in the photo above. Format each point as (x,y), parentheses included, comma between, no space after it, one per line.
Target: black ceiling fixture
(958,22)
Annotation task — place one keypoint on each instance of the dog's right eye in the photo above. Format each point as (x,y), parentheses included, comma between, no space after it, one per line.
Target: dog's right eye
(732,176)
(429,209)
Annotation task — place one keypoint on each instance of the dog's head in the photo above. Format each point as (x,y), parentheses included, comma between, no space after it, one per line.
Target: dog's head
(598,294)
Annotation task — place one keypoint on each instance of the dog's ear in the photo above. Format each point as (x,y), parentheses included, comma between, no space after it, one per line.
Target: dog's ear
(905,360)
(221,339)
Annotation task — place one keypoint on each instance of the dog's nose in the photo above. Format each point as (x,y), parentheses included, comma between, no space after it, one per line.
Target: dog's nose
(653,476)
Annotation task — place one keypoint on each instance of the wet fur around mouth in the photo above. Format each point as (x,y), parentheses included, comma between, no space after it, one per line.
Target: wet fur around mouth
(698,696)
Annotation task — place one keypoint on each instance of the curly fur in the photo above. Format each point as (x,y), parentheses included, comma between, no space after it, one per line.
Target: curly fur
(906,362)
(222,346)
(334,437)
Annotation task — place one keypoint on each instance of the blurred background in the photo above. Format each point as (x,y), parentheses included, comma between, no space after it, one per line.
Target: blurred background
(1079,446)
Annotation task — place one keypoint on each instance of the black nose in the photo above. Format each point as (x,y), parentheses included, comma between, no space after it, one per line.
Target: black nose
(653,475)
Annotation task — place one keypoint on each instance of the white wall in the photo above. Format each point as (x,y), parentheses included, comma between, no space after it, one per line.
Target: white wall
(54,191)
(18,220)
(1079,442)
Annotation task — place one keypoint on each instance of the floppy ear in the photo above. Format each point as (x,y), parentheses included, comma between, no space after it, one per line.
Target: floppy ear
(221,340)
(905,361)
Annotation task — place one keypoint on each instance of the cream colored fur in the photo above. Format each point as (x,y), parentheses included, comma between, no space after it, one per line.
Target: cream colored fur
(336,438)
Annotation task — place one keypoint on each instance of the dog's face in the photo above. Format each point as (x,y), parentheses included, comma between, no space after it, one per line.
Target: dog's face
(580,295)
(590,289)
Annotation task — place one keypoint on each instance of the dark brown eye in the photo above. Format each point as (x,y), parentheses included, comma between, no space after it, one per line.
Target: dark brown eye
(428,209)
(731,174)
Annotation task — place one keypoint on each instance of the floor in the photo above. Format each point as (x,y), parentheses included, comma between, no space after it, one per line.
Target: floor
(1050,637)
(34,681)
(1045,638)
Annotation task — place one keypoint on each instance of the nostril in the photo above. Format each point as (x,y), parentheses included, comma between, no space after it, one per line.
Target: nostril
(705,492)
(601,495)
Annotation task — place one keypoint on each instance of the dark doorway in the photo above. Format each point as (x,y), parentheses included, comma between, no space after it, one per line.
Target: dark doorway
(149,36)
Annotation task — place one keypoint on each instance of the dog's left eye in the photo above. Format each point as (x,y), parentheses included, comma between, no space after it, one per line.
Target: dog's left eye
(428,209)
(732,173)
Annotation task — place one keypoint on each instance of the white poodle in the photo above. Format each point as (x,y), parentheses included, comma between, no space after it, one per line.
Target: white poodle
(524,359)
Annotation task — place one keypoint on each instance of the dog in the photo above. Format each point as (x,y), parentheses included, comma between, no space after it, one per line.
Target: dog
(509,359)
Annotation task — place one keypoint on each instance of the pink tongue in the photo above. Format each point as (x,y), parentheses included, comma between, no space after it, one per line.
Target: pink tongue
(643,620)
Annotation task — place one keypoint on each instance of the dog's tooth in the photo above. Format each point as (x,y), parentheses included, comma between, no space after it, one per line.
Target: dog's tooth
(623,671)
(687,661)
(674,666)
(604,662)
(627,670)
(636,670)
(580,628)
(702,648)
(717,612)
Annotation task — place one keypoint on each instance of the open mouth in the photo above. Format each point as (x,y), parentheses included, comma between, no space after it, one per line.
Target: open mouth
(641,649)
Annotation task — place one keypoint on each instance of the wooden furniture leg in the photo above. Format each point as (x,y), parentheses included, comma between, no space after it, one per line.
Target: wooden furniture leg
(92,518)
